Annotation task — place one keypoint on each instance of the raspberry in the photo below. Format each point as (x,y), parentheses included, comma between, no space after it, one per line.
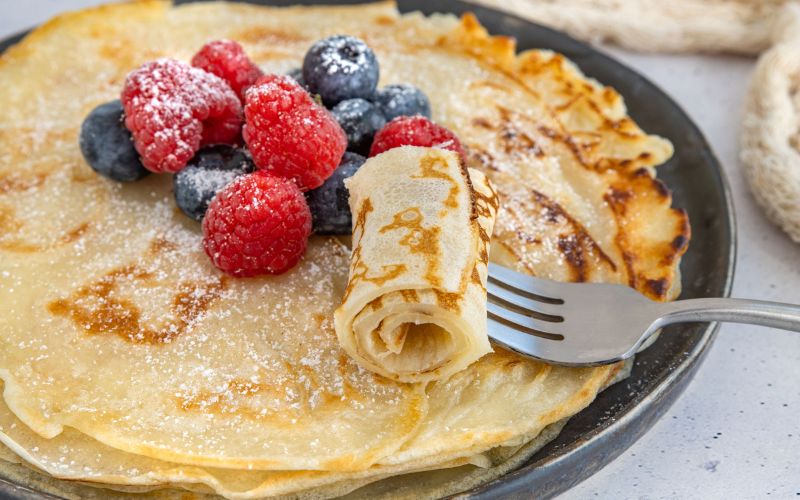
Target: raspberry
(227,60)
(173,109)
(415,131)
(289,134)
(258,224)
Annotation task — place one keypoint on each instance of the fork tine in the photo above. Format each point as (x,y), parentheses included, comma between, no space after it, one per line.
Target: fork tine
(540,289)
(554,311)
(522,343)
(521,322)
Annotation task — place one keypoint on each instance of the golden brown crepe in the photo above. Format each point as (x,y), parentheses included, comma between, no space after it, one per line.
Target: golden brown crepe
(115,331)
(414,309)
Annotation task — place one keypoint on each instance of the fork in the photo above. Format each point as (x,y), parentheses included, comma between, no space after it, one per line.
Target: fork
(587,324)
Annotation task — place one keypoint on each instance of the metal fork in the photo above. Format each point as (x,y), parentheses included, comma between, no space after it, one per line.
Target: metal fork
(584,324)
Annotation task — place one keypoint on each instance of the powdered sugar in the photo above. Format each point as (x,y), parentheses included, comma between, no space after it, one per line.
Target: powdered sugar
(168,107)
(211,181)
(344,56)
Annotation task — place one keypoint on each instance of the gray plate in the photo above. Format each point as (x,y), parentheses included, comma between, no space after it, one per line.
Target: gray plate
(623,413)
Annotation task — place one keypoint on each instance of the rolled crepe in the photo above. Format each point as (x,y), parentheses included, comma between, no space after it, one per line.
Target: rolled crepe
(414,309)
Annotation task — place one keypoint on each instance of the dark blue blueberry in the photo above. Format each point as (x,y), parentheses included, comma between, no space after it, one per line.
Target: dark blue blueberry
(107,145)
(297,74)
(402,100)
(340,67)
(211,169)
(360,120)
(330,210)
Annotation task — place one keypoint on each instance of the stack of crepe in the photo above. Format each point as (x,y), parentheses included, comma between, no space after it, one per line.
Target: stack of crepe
(128,362)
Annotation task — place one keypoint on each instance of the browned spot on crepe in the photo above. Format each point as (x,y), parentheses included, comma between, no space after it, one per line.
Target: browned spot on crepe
(360,270)
(97,310)
(513,137)
(74,233)
(449,301)
(385,21)
(577,246)
(9,224)
(376,303)
(626,199)
(267,398)
(419,240)
(160,245)
(435,167)
(475,277)
(17,183)
(388,273)
(266,35)
(513,133)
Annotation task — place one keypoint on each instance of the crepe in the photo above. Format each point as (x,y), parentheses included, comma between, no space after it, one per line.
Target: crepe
(92,461)
(414,309)
(115,328)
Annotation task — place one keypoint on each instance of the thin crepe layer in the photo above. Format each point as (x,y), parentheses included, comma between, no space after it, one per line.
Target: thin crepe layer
(94,462)
(579,202)
(414,309)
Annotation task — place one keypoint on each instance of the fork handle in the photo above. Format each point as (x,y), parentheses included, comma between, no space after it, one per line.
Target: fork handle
(753,312)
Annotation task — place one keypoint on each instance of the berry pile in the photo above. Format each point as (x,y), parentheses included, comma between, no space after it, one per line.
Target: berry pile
(344,72)
(259,159)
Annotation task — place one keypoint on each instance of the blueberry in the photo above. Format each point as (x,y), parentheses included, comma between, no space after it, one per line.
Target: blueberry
(297,74)
(360,120)
(340,67)
(330,210)
(211,169)
(402,100)
(107,145)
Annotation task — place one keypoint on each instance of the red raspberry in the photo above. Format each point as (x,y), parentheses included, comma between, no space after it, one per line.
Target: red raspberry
(173,109)
(289,134)
(415,131)
(258,224)
(227,60)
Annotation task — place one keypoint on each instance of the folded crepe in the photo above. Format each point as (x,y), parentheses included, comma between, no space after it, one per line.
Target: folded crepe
(414,309)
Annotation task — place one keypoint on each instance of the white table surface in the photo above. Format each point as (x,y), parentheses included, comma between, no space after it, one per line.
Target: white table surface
(735,432)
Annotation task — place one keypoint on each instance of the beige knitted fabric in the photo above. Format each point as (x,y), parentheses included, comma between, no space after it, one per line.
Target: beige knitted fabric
(770,141)
(738,26)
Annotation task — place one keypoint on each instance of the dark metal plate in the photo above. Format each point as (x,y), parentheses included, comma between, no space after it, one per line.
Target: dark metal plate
(624,412)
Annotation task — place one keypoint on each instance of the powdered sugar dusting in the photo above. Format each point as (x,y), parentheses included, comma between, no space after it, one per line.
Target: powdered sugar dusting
(234,356)
(168,106)
(355,58)
(209,181)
